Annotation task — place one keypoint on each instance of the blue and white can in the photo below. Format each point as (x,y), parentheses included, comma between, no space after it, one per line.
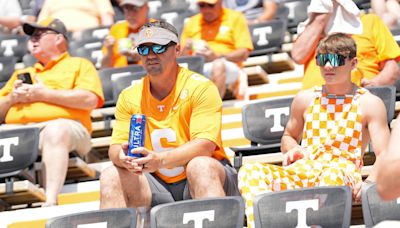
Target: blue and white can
(137,133)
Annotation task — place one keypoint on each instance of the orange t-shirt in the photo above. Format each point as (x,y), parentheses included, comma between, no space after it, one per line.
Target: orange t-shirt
(190,111)
(64,73)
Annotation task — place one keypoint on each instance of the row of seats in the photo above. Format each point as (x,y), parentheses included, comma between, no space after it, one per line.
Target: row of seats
(309,207)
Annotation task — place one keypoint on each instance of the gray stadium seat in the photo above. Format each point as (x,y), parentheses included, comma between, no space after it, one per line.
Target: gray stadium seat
(194,63)
(13,45)
(95,33)
(307,207)
(212,212)
(388,96)
(107,74)
(115,218)
(297,13)
(123,81)
(267,37)
(7,67)
(375,209)
(263,125)
(19,149)
(90,49)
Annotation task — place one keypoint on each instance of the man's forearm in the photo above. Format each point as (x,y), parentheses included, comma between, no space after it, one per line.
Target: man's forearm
(183,154)
(389,74)
(239,55)
(307,42)
(288,143)
(78,99)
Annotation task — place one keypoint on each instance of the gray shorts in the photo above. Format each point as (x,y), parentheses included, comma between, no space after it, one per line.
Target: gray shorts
(162,192)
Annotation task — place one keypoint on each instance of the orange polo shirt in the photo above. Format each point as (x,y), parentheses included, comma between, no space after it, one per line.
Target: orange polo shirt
(64,73)
(224,35)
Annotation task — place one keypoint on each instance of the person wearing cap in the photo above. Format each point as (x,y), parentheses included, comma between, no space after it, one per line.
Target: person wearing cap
(183,155)
(79,15)
(378,53)
(222,37)
(59,100)
(118,45)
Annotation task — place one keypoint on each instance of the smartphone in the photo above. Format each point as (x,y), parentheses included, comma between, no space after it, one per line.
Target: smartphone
(25,77)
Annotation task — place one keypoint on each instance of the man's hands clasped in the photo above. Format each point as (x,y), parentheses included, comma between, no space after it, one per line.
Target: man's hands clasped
(150,162)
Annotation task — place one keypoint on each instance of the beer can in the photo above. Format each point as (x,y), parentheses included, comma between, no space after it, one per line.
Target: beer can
(137,133)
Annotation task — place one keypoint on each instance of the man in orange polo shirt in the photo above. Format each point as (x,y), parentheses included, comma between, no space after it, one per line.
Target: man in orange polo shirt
(117,47)
(58,96)
(222,37)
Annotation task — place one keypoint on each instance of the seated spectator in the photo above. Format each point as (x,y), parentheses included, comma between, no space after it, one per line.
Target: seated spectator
(64,91)
(183,155)
(10,16)
(388,181)
(388,10)
(378,52)
(118,46)
(334,122)
(79,15)
(222,37)
(255,11)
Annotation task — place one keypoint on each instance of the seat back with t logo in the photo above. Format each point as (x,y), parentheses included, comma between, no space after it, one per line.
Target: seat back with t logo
(307,207)
(211,212)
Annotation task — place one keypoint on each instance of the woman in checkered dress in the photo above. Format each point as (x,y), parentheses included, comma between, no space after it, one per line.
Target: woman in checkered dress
(334,123)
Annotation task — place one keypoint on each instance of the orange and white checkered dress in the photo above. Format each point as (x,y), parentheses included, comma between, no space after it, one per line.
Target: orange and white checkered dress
(332,142)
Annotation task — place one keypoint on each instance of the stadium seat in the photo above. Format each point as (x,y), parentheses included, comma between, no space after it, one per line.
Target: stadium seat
(267,37)
(388,96)
(211,212)
(123,81)
(95,33)
(297,13)
(375,209)
(194,63)
(115,218)
(307,207)
(263,124)
(106,76)
(13,45)
(7,67)
(19,151)
(90,49)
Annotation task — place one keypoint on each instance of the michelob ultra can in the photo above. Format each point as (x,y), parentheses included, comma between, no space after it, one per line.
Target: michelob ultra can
(137,133)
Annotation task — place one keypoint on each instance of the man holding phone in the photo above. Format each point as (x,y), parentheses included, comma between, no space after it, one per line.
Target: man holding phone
(57,94)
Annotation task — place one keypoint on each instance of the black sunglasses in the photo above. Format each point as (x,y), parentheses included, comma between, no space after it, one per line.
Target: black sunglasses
(203,5)
(144,50)
(335,60)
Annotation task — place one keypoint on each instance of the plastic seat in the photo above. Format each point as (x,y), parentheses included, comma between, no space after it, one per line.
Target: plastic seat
(307,207)
(263,124)
(115,218)
(193,63)
(107,74)
(211,212)
(7,67)
(375,209)
(19,149)
(13,45)
(123,81)
(267,37)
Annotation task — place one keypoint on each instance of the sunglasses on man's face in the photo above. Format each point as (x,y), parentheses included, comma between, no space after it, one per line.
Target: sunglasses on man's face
(144,50)
(335,60)
(204,5)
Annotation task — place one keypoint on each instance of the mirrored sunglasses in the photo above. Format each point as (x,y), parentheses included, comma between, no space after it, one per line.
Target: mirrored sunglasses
(144,50)
(335,60)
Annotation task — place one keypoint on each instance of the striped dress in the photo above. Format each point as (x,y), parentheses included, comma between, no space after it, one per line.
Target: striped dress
(332,141)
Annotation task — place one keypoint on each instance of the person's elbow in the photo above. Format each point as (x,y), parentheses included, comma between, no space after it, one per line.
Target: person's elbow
(90,101)
(385,191)
(297,55)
